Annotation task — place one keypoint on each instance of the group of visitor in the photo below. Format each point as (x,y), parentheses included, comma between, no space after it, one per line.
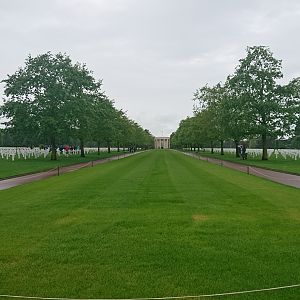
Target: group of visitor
(68,149)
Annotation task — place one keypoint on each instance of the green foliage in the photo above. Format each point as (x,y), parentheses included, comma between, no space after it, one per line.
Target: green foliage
(251,103)
(51,100)
(266,103)
(212,113)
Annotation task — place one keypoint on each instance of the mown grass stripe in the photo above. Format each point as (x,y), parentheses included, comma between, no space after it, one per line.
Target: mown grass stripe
(158,223)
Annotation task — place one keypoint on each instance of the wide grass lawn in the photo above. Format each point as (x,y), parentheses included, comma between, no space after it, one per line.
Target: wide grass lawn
(157,224)
(288,165)
(10,168)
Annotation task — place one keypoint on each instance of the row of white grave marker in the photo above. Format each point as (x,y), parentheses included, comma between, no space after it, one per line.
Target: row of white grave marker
(276,153)
(25,152)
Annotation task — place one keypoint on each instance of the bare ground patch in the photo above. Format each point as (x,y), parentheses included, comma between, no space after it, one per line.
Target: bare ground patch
(294,215)
(75,217)
(199,218)
(67,220)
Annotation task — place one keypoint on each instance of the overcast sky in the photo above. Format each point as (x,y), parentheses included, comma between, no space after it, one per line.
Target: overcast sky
(151,54)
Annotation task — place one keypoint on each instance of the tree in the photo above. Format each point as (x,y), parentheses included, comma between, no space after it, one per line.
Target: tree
(104,110)
(40,97)
(235,121)
(260,97)
(19,126)
(1,137)
(120,129)
(83,109)
(183,133)
(51,100)
(148,139)
(210,102)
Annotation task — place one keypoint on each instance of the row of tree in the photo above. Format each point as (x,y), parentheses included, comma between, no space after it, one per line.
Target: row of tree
(250,104)
(52,100)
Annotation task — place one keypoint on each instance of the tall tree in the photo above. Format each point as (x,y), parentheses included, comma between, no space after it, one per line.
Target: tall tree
(86,92)
(235,121)
(261,98)
(104,111)
(210,102)
(41,94)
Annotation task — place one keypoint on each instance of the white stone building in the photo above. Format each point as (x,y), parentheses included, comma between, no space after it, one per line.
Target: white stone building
(162,143)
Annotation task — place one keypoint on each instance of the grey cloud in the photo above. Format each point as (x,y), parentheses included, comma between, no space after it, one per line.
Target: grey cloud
(151,54)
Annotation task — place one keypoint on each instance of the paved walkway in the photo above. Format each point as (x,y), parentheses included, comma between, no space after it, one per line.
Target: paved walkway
(11,182)
(284,178)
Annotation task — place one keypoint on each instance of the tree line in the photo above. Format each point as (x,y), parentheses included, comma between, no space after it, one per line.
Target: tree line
(53,101)
(251,103)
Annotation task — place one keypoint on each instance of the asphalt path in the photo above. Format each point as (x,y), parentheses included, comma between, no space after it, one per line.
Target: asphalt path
(15,181)
(280,177)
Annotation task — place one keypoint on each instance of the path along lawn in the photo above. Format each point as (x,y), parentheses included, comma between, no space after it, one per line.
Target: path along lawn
(288,165)
(157,224)
(10,168)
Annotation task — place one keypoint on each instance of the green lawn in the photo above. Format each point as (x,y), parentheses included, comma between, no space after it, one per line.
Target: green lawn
(22,166)
(156,224)
(288,165)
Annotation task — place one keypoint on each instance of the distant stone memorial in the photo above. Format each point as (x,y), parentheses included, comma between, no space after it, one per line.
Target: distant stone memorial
(162,142)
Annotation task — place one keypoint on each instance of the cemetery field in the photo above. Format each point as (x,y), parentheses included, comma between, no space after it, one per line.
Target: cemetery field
(21,166)
(156,224)
(288,165)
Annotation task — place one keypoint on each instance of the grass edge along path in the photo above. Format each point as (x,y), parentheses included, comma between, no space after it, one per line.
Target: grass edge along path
(288,166)
(156,224)
(272,175)
(36,164)
(28,178)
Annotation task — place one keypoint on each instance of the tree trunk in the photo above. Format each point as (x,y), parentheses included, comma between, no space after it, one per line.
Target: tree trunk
(211,147)
(118,147)
(264,146)
(222,147)
(236,142)
(98,146)
(53,149)
(82,148)
(108,147)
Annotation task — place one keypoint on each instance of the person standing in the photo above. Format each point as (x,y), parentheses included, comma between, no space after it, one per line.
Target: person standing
(244,154)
